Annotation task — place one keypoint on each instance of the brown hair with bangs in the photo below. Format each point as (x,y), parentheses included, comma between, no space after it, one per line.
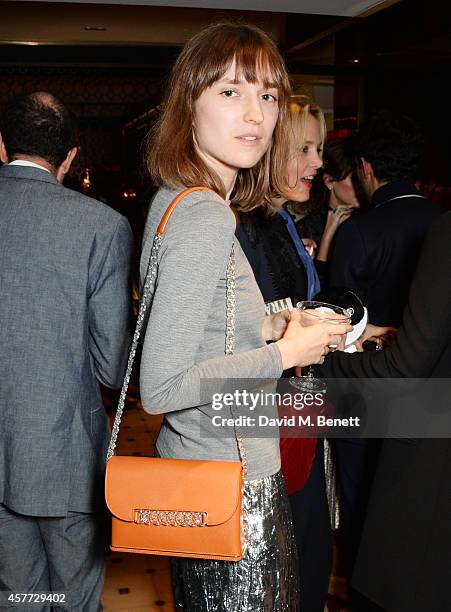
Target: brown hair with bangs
(171,155)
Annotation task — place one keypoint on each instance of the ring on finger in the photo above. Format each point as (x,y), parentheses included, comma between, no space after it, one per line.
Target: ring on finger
(333,344)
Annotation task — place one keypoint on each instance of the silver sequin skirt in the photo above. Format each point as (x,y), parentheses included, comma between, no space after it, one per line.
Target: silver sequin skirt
(266,580)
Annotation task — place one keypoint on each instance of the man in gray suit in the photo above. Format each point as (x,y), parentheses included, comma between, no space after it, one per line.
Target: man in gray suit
(64,328)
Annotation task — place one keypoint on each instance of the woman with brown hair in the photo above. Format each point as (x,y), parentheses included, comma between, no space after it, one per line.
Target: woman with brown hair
(222,127)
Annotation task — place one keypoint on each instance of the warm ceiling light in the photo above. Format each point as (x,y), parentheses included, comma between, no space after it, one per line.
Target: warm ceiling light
(355,61)
(29,43)
(95,28)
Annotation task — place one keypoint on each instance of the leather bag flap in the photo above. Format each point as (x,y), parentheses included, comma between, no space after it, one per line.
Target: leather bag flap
(176,485)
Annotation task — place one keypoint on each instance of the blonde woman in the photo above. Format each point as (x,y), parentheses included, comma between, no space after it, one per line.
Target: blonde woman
(285,273)
(282,266)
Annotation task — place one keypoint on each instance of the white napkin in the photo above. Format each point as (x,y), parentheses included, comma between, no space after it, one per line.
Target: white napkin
(355,334)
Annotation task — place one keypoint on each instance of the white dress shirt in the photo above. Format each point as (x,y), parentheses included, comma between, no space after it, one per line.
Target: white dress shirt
(25,162)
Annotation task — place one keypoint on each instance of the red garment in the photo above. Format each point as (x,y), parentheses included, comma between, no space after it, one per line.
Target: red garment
(297,456)
(297,446)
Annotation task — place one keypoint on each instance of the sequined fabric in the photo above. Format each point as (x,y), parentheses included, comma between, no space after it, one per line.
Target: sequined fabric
(331,485)
(266,580)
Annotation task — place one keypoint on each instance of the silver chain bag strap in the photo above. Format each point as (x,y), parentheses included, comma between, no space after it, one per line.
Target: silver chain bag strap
(145,302)
(146,299)
(158,505)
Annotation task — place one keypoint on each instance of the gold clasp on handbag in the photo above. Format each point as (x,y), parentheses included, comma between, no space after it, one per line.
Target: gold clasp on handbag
(170,518)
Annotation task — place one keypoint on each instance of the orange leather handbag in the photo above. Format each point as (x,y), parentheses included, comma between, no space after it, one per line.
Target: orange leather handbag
(175,507)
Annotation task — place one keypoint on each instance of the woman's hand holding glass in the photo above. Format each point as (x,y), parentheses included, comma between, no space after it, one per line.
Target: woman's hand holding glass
(274,325)
(312,314)
(305,345)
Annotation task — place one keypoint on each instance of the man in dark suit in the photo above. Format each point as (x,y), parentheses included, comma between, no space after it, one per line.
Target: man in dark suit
(376,251)
(375,254)
(64,328)
(404,561)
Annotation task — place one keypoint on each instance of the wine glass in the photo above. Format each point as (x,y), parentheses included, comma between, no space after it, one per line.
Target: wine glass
(311,314)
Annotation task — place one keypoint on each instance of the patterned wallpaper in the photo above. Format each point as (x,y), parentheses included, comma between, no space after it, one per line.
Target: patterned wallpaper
(104,100)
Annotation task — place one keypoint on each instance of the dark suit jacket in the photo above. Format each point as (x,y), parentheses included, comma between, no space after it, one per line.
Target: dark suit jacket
(376,250)
(64,317)
(404,563)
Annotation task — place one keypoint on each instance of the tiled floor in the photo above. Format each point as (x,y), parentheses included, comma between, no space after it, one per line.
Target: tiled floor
(141,583)
(137,583)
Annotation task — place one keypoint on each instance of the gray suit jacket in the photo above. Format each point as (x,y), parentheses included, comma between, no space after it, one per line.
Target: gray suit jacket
(64,327)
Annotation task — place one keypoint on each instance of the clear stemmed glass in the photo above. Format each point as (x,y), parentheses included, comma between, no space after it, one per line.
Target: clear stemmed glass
(311,314)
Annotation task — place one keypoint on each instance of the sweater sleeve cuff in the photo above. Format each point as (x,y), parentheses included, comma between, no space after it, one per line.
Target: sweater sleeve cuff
(275,360)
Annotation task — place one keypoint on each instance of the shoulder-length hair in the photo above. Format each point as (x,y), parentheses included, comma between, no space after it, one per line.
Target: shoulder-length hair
(171,155)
